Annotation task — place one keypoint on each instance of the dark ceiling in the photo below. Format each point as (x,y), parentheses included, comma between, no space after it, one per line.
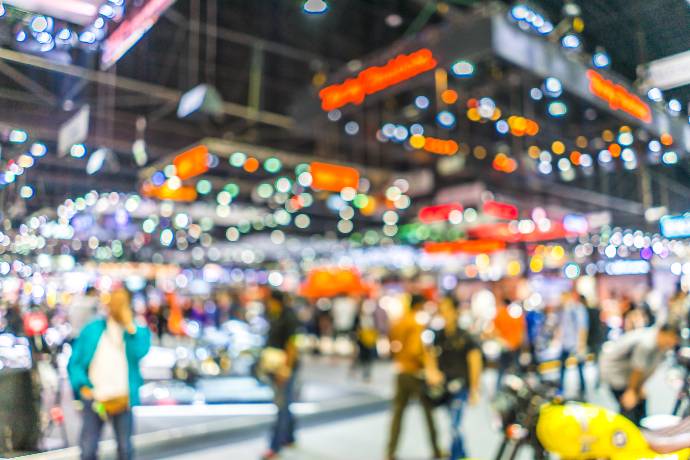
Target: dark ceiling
(265,53)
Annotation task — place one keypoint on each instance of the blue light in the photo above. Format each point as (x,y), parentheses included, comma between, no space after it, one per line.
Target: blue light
(400,133)
(462,69)
(422,102)
(553,87)
(546,29)
(601,60)
(351,128)
(18,136)
(21,36)
(44,38)
(99,23)
(107,10)
(158,178)
(502,127)
(445,119)
(117,2)
(670,157)
(78,151)
(519,12)
(571,41)
(536,94)
(557,109)
(39,24)
(655,94)
(65,34)
(417,129)
(87,37)
(38,150)
(388,130)
(315,7)
(2,10)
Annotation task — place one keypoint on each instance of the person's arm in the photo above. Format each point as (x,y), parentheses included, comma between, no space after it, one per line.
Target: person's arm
(474,366)
(639,361)
(433,374)
(138,341)
(77,368)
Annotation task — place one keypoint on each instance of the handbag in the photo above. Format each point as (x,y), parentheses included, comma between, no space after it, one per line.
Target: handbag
(116,406)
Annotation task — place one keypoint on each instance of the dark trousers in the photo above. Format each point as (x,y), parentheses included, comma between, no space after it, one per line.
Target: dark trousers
(283,432)
(407,387)
(637,413)
(565,354)
(91,433)
(456,409)
(508,361)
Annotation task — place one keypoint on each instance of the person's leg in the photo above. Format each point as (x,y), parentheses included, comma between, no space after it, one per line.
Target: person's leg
(581,373)
(456,408)
(291,423)
(123,427)
(90,433)
(428,415)
(402,397)
(503,364)
(564,358)
(282,424)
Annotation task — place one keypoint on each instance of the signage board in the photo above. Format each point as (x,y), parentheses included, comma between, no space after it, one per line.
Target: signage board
(675,226)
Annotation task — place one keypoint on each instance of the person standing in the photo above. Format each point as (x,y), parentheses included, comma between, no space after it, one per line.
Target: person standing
(627,363)
(83,310)
(572,336)
(459,358)
(413,363)
(281,341)
(510,329)
(104,374)
(366,334)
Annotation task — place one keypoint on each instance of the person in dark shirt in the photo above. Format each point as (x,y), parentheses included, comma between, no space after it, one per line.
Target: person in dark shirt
(283,325)
(459,359)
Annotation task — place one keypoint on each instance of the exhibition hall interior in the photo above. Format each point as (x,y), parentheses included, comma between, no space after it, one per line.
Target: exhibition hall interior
(345,229)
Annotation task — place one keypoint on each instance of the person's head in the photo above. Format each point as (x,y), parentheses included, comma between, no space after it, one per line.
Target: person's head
(583,300)
(118,304)
(275,302)
(91,291)
(448,309)
(668,337)
(417,302)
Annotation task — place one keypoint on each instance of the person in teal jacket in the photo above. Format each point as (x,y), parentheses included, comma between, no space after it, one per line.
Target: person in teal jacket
(104,374)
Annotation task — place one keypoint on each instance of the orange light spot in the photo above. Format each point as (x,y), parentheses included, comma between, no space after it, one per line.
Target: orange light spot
(192,162)
(581,142)
(575,157)
(472,103)
(473,114)
(449,96)
(440,146)
(251,165)
(615,150)
(666,139)
(618,97)
(558,147)
(533,152)
(333,178)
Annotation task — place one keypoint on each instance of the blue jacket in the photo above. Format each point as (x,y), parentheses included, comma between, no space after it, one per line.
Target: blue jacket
(83,349)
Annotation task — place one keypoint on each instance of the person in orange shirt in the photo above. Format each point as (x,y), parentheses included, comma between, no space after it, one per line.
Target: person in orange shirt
(414,366)
(509,328)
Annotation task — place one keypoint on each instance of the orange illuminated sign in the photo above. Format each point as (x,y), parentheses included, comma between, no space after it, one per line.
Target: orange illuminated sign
(333,178)
(191,163)
(466,246)
(618,97)
(440,146)
(186,194)
(375,79)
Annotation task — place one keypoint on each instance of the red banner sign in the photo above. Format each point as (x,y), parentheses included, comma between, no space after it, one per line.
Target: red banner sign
(500,210)
(618,97)
(438,213)
(375,79)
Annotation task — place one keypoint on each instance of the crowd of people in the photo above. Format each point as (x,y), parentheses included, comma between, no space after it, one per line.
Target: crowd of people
(439,346)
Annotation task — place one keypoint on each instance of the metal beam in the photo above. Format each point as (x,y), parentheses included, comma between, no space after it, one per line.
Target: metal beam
(140,87)
(27,83)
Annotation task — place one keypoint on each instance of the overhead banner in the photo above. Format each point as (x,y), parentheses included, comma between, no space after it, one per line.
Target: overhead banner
(131,30)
